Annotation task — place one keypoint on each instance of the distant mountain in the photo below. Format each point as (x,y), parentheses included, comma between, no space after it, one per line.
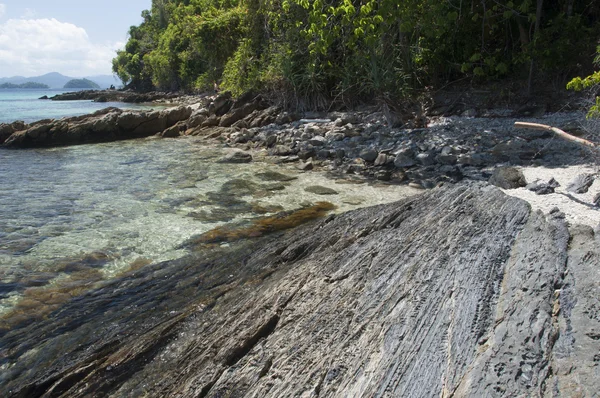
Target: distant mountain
(82,83)
(56,80)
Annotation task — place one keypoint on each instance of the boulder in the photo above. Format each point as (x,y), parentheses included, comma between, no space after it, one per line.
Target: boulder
(236,156)
(404,158)
(369,154)
(212,121)
(508,178)
(198,117)
(174,115)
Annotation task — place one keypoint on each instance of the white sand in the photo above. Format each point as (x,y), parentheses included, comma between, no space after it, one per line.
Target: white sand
(578,209)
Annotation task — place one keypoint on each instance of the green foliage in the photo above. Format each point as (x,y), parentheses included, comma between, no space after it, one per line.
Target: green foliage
(588,82)
(313,52)
(81,83)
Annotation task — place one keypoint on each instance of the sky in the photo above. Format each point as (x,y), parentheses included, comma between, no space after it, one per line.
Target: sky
(73,37)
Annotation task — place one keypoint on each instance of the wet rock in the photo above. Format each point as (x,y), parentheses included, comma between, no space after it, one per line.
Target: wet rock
(236,156)
(508,178)
(581,183)
(281,150)
(275,176)
(305,166)
(319,190)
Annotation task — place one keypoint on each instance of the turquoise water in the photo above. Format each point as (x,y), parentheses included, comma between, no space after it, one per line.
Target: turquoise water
(71,212)
(23,104)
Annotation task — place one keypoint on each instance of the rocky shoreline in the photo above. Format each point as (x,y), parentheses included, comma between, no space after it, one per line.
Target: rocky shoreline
(461,291)
(362,143)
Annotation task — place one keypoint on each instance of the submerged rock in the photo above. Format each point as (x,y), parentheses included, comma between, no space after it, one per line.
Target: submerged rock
(236,156)
(460,290)
(319,190)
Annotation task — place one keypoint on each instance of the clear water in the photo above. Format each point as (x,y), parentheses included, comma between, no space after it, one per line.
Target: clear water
(25,105)
(134,201)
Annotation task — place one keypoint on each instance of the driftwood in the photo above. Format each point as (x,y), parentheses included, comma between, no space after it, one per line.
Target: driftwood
(557,131)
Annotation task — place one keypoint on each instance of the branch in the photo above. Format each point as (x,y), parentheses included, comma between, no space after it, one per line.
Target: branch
(557,131)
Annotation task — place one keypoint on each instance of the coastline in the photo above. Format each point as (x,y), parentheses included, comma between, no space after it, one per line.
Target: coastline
(245,295)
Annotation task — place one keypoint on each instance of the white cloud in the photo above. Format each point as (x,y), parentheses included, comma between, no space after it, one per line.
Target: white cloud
(36,46)
(2,10)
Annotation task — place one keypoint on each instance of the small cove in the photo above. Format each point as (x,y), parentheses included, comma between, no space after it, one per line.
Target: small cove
(92,212)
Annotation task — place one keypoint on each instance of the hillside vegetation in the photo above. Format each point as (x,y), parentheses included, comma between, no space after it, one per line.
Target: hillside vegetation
(81,83)
(25,85)
(309,53)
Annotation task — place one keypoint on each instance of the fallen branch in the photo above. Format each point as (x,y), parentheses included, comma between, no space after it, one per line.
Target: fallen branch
(557,131)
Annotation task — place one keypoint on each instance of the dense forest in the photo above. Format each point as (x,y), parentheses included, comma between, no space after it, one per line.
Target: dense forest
(25,85)
(312,52)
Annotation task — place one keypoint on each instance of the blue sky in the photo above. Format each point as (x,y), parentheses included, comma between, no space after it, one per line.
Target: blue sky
(76,38)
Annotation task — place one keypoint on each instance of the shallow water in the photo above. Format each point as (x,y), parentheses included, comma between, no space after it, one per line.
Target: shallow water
(94,211)
(24,104)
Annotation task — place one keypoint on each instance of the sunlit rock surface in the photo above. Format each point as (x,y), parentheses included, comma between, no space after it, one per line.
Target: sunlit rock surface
(461,291)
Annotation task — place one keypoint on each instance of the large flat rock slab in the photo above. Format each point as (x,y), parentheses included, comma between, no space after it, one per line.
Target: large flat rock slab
(459,292)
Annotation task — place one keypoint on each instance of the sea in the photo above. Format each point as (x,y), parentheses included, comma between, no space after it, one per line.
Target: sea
(25,105)
(80,215)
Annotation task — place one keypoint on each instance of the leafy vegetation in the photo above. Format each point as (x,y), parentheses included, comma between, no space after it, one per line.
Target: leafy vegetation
(81,83)
(312,52)
(589,82)
(25,85)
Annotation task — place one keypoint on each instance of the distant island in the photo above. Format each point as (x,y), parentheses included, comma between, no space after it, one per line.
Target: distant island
(81,83)
(25,85)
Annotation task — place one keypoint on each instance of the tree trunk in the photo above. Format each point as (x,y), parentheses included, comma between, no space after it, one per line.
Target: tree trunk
(536,32)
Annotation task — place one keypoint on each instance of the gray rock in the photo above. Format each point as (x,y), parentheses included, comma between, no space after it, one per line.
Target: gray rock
(280,150)
(581,183)
(459,291)
(198,117)
(212,121)
(381,160)
(426,158)
(319,190)
(404,158)
(508,178)
(317,140)
(369,154)
(543,188)
(236,156)
(305,166)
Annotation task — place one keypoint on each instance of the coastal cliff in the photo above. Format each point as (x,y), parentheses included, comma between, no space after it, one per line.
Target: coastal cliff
(461,291)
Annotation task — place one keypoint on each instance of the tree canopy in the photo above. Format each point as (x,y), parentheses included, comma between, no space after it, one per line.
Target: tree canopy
(317,51)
